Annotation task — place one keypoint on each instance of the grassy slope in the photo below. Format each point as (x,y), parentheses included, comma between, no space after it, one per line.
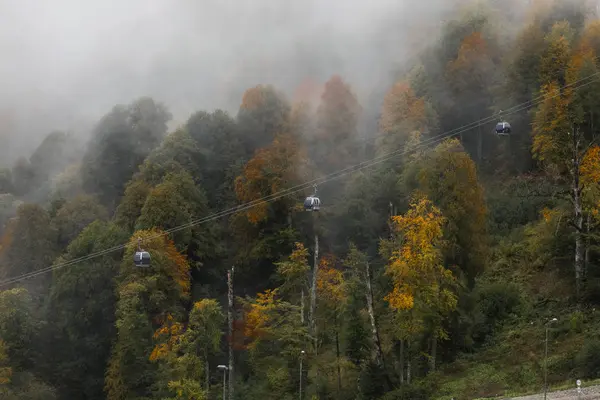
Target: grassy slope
(511,360)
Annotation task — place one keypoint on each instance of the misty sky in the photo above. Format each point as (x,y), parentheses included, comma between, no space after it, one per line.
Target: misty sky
(67,62)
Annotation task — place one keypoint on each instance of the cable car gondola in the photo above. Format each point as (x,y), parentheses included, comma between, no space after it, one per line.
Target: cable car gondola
(141,258)
(312,203)
(503,128)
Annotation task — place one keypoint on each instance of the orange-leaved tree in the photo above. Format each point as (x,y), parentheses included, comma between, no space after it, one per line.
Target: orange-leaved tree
(273,168)
(265,230)
(182,352)
(337,126)
(276,339)
(403,115)
(471,77)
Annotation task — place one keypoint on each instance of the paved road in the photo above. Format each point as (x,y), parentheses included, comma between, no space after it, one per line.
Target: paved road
(587,393)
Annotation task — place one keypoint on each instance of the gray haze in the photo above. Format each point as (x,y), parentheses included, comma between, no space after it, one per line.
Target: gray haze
(67,62)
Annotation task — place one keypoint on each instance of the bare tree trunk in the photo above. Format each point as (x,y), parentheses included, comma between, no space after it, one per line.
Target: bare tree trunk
(408,365)
(587,247)
(313,293)
(302,307)
(371,311)
(230,321)
(402,362)
(206,373)
(433,353)
(337,351)
(578,216)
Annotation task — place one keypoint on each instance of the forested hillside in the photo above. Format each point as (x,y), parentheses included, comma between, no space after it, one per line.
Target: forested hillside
(440,252)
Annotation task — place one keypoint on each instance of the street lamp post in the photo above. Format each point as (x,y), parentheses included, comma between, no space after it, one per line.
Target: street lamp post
(301,357)
(546,358)
(224,368)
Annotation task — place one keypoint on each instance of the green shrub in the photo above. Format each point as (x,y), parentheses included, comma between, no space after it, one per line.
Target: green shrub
(409,392)
(588,359)
(495,302)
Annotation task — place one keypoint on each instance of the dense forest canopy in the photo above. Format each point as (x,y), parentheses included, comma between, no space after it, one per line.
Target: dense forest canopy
(440,251)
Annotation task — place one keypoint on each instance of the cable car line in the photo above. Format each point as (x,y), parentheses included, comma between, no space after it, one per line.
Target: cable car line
(278,195)
(274,196)
(337,174)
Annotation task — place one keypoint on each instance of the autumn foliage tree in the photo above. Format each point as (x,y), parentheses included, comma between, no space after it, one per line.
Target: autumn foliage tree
(147,300)
(472,76)
(276,338)
(556,55)
(265,230)
(332,300)
(423,288)
(272,169)
(404,114)
(337,124)
(560,142)
(183,350)
(448,177)
(263,114)
(294,274)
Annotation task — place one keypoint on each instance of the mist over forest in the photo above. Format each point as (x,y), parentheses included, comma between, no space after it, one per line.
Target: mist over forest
(68,62)
(324,200)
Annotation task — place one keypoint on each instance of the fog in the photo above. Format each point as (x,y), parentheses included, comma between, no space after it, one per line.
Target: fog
(67,62)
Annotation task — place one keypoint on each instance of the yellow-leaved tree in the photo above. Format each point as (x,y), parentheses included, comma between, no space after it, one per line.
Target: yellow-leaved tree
(294,273)
(563,144)
(423,289)
(332,300)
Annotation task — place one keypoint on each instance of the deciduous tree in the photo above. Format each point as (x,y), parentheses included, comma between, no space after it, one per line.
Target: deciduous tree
(448,177)
(337,124)
(146,299)
(422,285)
(560,144)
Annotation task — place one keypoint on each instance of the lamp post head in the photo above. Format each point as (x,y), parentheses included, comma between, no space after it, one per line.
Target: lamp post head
(222,367)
